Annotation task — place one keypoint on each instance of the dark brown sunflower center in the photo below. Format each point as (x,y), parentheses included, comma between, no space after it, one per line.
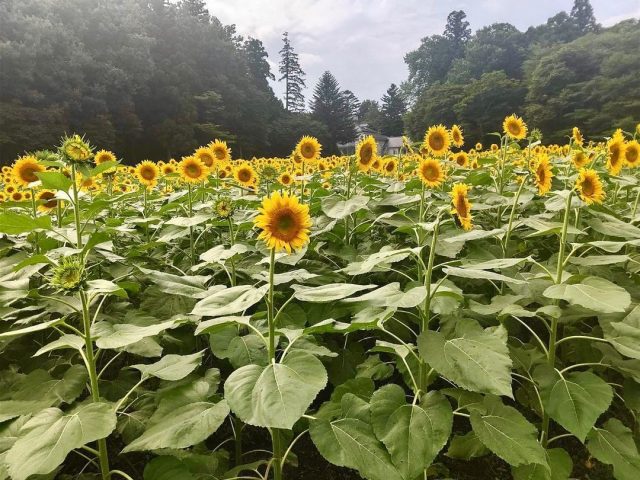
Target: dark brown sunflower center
(588,188)
(285,225)
(244,175)
(148,173)
(430,172)
(436,141)
(365,154)
(514,128)
(307,150)
(192,170)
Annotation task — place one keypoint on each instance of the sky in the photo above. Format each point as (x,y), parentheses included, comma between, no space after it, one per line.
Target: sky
(363,42)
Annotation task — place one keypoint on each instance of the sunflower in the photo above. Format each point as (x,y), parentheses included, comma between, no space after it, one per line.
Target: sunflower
(431,172)
(390,166)
(308,148)
(285,179)
(366,153)
(47,201)
(17,196)
(514,127)
(579,159)
(478,147)
(220,150)
(205,155)
(576,134)
(224,208)
(632,153)
(25,169)
(284,222)
(192,170)
(245,175)
(543,175)
(615,155)
(437,140)
(104,156)
(461,204)
(462,159)
(168,169)
(589,186)
(75,149)
(147,173)
(456,136)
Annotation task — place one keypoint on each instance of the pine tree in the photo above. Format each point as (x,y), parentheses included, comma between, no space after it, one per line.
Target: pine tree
(293,76)
(353,103)
(329,107)
(369,113)
(393,110)
(583,17)
(457,31)
(257,62)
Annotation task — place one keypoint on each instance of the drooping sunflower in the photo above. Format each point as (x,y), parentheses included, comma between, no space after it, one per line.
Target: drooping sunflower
(579,159)
(615,155)
(220,150)
(192,170)
(431,172)
(25,169)
(308,148)
(47,200)
(456,136)
(147,173)
(589,186)
(366,153)
(632,154)
(284,222)
(245,175)
(437,140)
(206,156)
(543,174)
(461,205)
(285,179)
(514,127)
(462,159)
(576,134)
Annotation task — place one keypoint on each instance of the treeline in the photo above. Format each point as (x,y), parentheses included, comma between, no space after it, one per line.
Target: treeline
(569,71)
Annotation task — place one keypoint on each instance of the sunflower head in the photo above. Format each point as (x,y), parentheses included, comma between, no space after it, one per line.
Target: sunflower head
(615,154)
(192,170)
(462,159)
(437,140)
(589,186)
(285,179)
(308,148)
(75,149)
(456,136)
(147,173)
(25,169)
(220,150)
(284,222)
(478,147)
(366,153)
(542,173)
(576,135)
(514,127)
(431,172)
(245,174)
(579,159)
(47,200)
(390,166)
(205,155)
(632,154)
(461,205)
(224,207)
(68,275)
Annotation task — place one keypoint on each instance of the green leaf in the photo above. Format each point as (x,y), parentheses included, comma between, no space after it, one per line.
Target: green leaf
(480,274)
(47,438)
(506,432)
(171,367)
(55,181)
(413,434)
(625,334)
(593,293)
(229,301)
(185,285)
(351,443)
(33,328)
(65,341)
(13,223)
(478,361)
(575,400)
(103,167)
(614,445)
(183,427)
(333,207)
(117,335)
(277,395)
(378,260)
(559,462)
(327,293)
(466,447)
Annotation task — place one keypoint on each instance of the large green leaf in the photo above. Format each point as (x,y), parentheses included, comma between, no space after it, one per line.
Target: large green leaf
(13,223)
(171,367)
(351,443)
(55,181)
(560,465)
(506,432)
(333,207)
(594,293)
(614,444)
(378,260)
(575,400)
(277,395)
(625,334)
(327,293)
(478,361)
(412,433)
(229,301)
(44,441)
(116,335)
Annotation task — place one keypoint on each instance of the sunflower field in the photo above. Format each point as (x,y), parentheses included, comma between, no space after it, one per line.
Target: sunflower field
(449,312)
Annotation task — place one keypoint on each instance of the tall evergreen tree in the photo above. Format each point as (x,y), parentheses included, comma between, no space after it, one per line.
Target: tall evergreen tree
(293,76)
(457,31)
(583,17)
(329,107)
(257,59)
(353,103)
(393,109)
(370,114)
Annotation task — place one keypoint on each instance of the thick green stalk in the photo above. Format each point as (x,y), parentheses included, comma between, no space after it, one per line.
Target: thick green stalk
(36,237)
(277,454)
(232,241)
(191,243)
(76,206)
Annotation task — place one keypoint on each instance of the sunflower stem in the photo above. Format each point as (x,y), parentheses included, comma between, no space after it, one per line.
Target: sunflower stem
(270,308)
(36,236)
(76,206)
(191,243)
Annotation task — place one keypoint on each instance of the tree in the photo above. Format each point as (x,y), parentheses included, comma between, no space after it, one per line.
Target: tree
(293,76)
(369,113)
(195,8)
(353,104)
(329,107)
(393,109)
(257,61)
(457,31)
(583,17)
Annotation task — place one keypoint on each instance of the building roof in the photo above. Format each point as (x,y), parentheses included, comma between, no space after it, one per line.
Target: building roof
(394,142)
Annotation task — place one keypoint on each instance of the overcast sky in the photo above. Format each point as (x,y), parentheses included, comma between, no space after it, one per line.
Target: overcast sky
(363,42)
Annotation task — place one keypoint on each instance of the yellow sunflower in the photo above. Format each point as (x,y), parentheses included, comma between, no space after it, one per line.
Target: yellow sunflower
(431,172)
(579,159)
(284,222)
(589,186)
(245,175)
(206,156)
(47,200)
(615,155)
(462,159)
(168,169)
(17,196)
(478,147)
(308,148)
(147,173)
(632,154)
(437,140)
(390,166)
(543,174)
(456,136)
(74,148)
(461,204)
(192,170)
(104,156)
(220,150)
(576,134)
(366,153)
(285,179)
(514,127)
(25,169)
